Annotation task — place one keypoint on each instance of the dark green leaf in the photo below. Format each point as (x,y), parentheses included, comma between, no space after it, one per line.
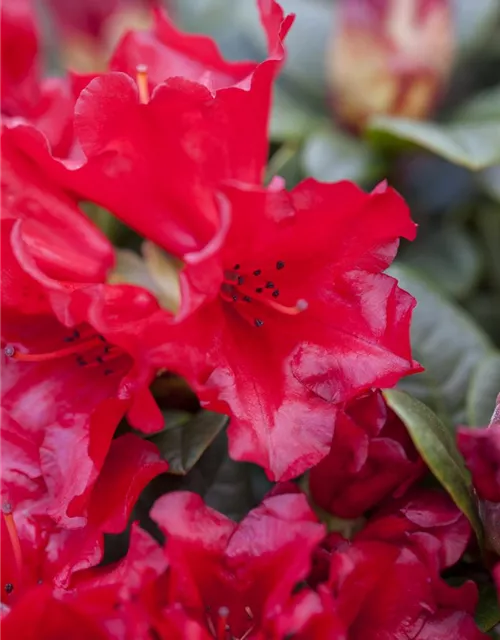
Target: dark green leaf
(483,391)
(437,447)
(447,342)
(231,493)
(285,163)
(483,106)
(449,256)
(330,155)
(475,145)
(183,444)
(487,610)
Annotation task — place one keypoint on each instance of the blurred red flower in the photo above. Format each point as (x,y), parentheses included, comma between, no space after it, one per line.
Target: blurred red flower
(26,97)
(371,458)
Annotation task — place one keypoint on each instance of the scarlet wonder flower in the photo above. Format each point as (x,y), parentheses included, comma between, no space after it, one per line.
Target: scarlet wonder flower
(371,458)
(386,583)
(26,97)
(34,480)
(192,114)
(289,314)
(69,337)
(481,450)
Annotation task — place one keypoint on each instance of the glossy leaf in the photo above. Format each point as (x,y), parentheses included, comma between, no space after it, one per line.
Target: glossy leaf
(437,447)
(475,145)
(487,610)
(182,445)
(447,342)
(483,391)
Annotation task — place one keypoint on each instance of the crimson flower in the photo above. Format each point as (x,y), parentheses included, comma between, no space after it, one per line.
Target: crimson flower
(481,450)
(233,576)
(35,479)
(131,126)
(386,583)
(289,314)
(46,104)
(427,522)
(70,338)
(371,458)
(385,591)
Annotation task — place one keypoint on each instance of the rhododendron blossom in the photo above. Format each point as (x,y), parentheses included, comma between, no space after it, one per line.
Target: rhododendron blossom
(216,420)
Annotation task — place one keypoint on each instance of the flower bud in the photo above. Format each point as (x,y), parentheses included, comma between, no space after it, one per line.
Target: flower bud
(390,57)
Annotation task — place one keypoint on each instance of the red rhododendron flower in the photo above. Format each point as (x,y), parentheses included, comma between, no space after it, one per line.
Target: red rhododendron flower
(202,136)
(371,457)
(386,591)
(280,315)
(386,582)
(481,450)
(236,575)
(46,104)
(91,350)
(34,481)
(427,522)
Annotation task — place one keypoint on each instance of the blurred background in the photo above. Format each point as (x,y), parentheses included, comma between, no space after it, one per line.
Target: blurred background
(407,90)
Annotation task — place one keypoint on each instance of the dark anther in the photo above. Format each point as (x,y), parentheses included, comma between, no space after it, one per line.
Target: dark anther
(276,293)
(81,361)
(107,349)
(101,361)
(108,372)
(9,351)
(258,323)
(280,264)
(247,298)
(241,279)
(235,298)
(257,272)
(9,587)
(259,289)
(269,285)
(68,339)
(76,334)
(102,338)
(236,267)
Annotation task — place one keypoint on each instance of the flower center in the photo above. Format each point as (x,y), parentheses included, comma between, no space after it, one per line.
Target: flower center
(241,288)
(89,348)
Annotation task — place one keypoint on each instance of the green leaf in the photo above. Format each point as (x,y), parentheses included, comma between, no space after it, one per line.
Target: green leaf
(437,447)
(483,391)
(483,106)
(474,145)
(330,155)
(487,610)
(285,163)
(183,444)
(449,256)
(447,342)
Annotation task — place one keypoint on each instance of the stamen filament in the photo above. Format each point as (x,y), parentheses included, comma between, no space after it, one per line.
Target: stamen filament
(14,539)
(142,83)
(76,348)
